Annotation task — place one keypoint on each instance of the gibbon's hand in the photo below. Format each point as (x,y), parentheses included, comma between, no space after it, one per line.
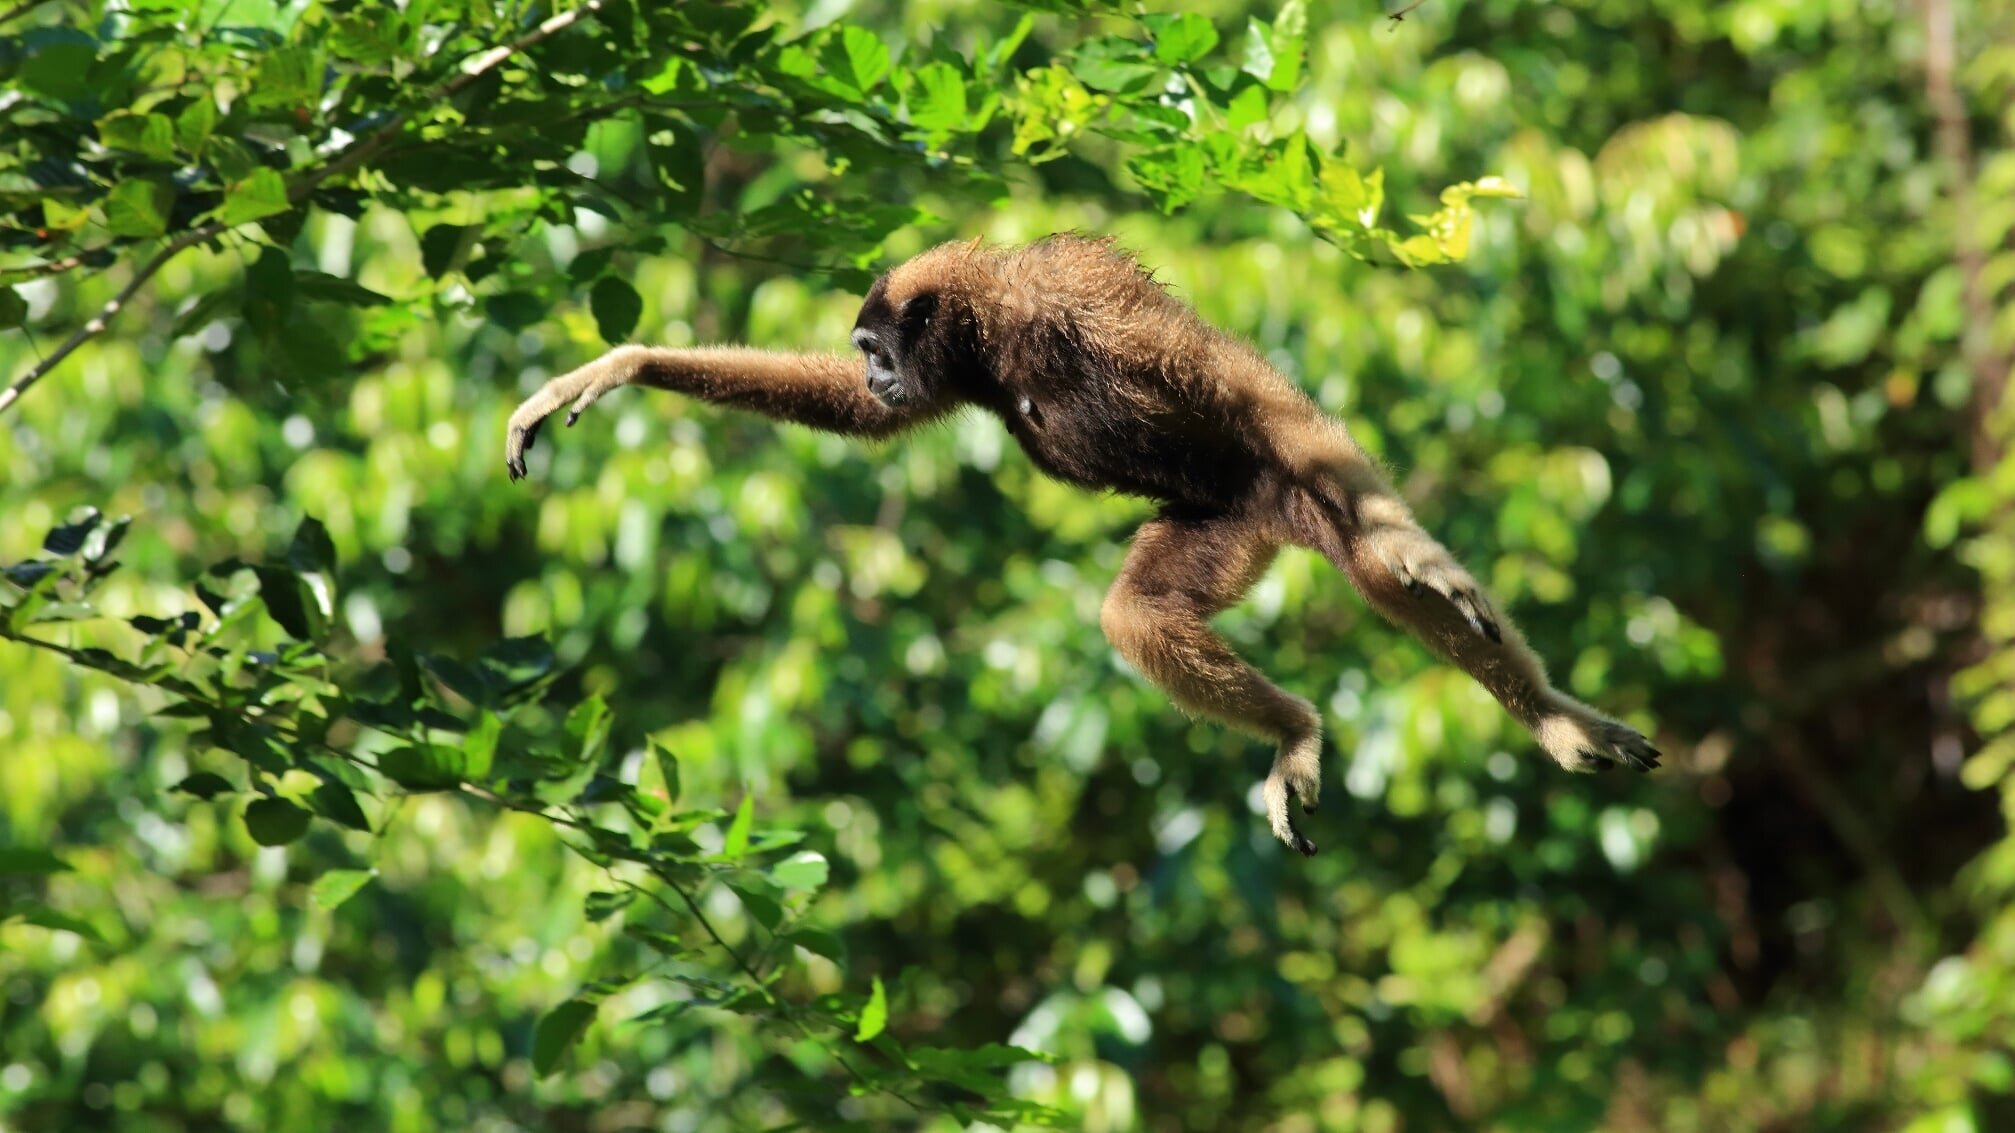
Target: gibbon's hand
(1423,565)
(580,387)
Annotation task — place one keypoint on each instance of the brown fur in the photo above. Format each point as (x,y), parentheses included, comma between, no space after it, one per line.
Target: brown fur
(1109,382)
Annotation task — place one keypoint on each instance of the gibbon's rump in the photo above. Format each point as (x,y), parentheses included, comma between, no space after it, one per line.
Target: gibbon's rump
(1109,382)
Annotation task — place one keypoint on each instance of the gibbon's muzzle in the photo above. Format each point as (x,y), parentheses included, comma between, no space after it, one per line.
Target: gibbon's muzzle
(882,379)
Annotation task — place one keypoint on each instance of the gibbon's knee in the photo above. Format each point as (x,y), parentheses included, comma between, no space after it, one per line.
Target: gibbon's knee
(1128,625)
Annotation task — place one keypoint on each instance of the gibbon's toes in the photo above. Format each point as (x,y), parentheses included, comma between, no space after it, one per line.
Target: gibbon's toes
(1619,745)
(1278,795)
(1633,749)
(1471,606)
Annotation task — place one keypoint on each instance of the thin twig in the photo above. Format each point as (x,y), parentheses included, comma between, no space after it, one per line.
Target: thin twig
(97,324)
(1399,17)
(47,267)
(349,159)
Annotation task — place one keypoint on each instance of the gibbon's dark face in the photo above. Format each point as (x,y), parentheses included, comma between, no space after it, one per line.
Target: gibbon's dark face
(906,347)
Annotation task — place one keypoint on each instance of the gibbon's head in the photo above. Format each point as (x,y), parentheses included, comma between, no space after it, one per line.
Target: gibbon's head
(916,331)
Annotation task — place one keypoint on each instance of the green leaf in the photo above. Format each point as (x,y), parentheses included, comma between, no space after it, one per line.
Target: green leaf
(820,942)
(874,1016)
(1173,176)
(13,308)
(559,1029)
(669,77)
(262,194)
(421,767)
(737,842)
(514,310)
(512,668)
(204,785)
(335,289)
(759,901)
(1183,38)
(937,101)
(275,822)
(1248,108)
(479,746)
(59,69)
(287,79)
(17,861)
(338,803)
(440,246)
(1113,64)
(617,307)
(668,769)
(292,602)
(589,723)
(601,906)
(60,216)
(806,869)
(1273,51)
(196,123)
(150,134)
(229,158)
(67,539)
(47,917)
(337,886)
(859,59)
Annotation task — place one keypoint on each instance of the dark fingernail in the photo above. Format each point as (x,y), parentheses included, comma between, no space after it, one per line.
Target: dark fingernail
(1491,631)
(1307,848)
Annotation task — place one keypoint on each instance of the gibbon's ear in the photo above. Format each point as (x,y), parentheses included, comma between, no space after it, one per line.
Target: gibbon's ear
(918,311)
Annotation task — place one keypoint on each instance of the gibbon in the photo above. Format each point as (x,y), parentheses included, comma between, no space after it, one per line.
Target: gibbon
(1109,382)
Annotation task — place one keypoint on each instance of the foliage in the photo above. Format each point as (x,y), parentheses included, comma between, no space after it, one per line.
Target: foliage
(731,777)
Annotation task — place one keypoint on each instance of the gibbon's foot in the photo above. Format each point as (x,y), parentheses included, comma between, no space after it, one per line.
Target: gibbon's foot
(1423,566)
(1296,774)
(1581,739)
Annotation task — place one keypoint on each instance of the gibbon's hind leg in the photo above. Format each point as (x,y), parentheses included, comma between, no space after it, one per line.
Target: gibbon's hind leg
(1416,583)
(1183,569)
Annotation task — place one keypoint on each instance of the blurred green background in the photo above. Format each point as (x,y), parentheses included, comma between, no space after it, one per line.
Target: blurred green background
(1712,409)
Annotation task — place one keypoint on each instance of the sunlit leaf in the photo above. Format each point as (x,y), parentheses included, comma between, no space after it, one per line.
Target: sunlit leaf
(337,886)
(874,1015)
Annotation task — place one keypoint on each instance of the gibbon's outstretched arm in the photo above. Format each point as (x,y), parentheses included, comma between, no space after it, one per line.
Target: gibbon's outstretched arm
(825,391)
(1110,383)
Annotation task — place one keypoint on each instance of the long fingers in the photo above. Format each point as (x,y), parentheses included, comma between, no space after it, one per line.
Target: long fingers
(518,439)
(578,387)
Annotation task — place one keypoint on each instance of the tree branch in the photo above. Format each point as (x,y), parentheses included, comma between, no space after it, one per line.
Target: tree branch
(97,324)
(1399,16)
(470,70)
(19,10)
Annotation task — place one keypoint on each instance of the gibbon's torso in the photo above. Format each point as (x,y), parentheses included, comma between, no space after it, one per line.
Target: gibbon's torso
(1107,381)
